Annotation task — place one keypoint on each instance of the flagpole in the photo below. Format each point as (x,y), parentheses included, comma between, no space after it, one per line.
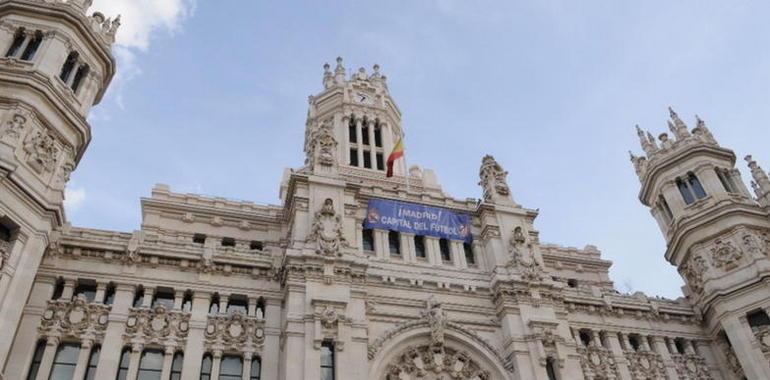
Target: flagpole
(406,167)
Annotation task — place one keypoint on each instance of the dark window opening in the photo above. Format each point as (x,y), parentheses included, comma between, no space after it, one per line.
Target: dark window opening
(138,296)
(666,210)
(37,358)
(93,360)
(68,66)
(378,137)
(79,75)
(572,283)
(231,368)
(758,318)
(187,301)
(214,304)
(550,368)
(125,359)
(256,245)
(58,289)
(352,132)
(206,367)
(633,340)
(470,258)
(419,246)
(443,245)
(109,294)
(5,233)
(696,186)
(18,40)
(380,162)
(327,360)
(65,361)
(228,242)
(685,191)
(150,365)
(367,159)
(256,369)
(163,297)
(353,157)
(237,303)
(365,134)
(679,344)
(199,238)
(32,46)
(176,366)
(394,243)
(585,337)
(727,180)
(367,239)
(85,289)
(261,307)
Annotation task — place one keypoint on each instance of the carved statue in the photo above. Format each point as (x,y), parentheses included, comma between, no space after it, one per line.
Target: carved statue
(326,145)
(523,256)
(437,320)
(493,178)
(13,127)
(327,231)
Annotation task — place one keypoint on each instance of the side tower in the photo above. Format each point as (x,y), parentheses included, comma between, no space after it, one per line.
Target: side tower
(716,235)
(55,64)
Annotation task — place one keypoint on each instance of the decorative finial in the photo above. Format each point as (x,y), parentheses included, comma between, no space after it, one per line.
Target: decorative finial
(376,68)
(672,113)
(339,69)
(326,67)
(639,131)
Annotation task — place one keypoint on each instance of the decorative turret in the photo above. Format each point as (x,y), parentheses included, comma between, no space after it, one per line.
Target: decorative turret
(761,182)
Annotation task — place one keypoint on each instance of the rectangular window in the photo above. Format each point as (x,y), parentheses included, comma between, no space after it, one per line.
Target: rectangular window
(206,364)
(256,369)
(727,180)
(163,297)
(353,157)
(199,238)
(327,361)
(85,289)
(443,245)
(37,358)
(32,46)
(368,240)
(696,186)
(231,368)
(685,191)
(365,135)
(18,40)
(378,137)
(228,242)
(470,258)
(394,243)
(125,359)
(150,365)
(419,246)
(666,210)
(367,159)
(256,245)
(352,133)
(237,303)
(176,366)
(93,360)
(65,361)
(380,162)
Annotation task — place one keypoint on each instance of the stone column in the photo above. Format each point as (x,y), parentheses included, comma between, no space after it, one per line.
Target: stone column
(620,356)
(83,356)
(48,356)
(101,287)
(271,351)
(380,244)
(133,364)
(660,347)
(372,146)
(69,288)
(193,352)
(247,356)
(431,250)
(477,253)
(360,142)
(458,255)
(148,294)
(407,247)
(645,343)
(252,310)
(112,346)
(753,362)
(216,362)
(707,352)
(168,358)
(27,336)
(178,299)
(223,300)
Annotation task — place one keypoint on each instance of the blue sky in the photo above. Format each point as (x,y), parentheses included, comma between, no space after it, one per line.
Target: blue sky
(211,97)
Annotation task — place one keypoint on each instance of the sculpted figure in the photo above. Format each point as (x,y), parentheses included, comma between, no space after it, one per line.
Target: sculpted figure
(327,231)
(493,178)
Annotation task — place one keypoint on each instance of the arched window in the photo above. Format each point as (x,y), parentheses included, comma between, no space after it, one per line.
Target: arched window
(470,258)
(206,367)
(633,340)
(443,245)
(138,296)
(163,296)
(367,240)
(150,365)
(109,294)
(85,289)
(663,205)
(327,361)
(176,366)
(696,186)
(419,246)
(18,40)
(32,46)
(37,358)
(394,243)
(79,76)
(256,369)
(65,361)
(214,305)
(550,368)
(231,368)
(68,66)
(260,308)
(58,289)
(187,301)
(125,359)
(690,188)
(726,178)
(238,303)
(93,360)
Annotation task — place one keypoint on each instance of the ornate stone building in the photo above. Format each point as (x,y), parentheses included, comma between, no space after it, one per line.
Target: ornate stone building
(315,287)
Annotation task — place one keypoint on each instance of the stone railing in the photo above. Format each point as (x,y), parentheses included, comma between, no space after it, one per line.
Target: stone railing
(691,367)
(235,331)
(77,318)
(157,325)
(645,365)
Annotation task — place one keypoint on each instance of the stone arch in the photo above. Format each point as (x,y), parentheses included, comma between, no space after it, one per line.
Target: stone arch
(458,345)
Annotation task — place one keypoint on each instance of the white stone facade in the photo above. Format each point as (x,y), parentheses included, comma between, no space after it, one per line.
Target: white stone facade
(210,288)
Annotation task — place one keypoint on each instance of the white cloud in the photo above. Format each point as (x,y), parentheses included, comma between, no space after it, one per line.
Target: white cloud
(140,18)
(74,196)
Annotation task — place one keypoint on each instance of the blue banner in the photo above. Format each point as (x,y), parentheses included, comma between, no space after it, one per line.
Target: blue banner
(418,219)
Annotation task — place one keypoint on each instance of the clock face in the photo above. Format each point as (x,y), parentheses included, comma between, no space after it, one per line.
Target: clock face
(362,97)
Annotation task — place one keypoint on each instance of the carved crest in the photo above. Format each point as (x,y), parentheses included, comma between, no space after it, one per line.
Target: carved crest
(327,231)
(14,127)
(724,255)
(42,151)
(322,146)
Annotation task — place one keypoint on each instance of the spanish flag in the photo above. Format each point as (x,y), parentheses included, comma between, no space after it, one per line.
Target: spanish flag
(398,152)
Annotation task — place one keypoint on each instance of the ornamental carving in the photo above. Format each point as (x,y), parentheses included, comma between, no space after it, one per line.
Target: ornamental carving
(724,255)
(13,128)
(431,362)
(493,178)
(330,321)
(598,363)
(693,272)
(691,367)
(235,332)
(327,231)
(645,365)
(157,325)
(5,253)
(437,319)
(762,334)
(323,146)
(67,166)
(523,256)
(42,150)
(76,318)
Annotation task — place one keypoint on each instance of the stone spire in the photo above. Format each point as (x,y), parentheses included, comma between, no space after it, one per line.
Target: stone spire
(678,128)
(702,131)
(640,164)
(761,182)
(647,142)
(328,80)
(339,72)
